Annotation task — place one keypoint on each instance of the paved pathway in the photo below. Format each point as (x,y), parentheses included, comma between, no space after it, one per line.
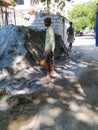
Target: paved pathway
(87,46)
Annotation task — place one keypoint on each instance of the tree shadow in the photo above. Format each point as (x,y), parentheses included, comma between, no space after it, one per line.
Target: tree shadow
(61,104)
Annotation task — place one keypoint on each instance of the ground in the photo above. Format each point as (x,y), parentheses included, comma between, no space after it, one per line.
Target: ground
(69,101)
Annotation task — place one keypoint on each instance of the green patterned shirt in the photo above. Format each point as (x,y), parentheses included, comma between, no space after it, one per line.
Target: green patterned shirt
(50,39)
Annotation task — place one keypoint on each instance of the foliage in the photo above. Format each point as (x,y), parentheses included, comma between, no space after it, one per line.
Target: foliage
(83,15)
(61,4)
(92,13)
(14,2)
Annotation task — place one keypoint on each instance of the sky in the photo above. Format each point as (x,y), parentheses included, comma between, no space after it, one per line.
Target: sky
(75,2)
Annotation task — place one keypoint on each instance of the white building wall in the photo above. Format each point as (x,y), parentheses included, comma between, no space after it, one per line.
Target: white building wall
(27,3)
(36,21)
(66,25)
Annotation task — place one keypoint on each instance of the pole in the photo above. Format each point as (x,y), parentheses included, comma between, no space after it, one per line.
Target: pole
(96,26)
(2,14)
(14,15)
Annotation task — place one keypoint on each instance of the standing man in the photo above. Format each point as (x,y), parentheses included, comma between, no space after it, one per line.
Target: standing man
(49,48)
(70,39)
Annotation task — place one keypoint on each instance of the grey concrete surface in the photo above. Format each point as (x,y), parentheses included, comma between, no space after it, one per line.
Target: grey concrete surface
(87,46)
(69,101)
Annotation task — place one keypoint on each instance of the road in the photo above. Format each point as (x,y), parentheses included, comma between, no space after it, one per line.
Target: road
(86,45)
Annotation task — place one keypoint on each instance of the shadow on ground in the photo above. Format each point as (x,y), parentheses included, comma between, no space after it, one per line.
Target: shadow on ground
(59,105)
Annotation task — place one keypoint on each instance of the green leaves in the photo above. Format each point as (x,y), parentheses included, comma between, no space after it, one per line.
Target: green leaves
(83,15)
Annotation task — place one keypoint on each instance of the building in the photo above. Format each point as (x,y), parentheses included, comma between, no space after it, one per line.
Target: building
(4,11)
(29,14)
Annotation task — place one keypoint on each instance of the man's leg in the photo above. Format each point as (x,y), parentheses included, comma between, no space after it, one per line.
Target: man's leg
(48,67)
(70,47)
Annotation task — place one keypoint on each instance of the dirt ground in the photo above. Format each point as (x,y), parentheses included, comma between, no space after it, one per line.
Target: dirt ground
(69,101)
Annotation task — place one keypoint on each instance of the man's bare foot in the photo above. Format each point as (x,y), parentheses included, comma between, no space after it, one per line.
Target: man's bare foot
(53,74)
(45,78)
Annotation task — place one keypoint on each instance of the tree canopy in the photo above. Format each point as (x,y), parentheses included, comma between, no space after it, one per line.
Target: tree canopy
(83,15)
(61,3)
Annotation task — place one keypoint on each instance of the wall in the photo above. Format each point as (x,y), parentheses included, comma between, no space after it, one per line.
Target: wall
(36,21)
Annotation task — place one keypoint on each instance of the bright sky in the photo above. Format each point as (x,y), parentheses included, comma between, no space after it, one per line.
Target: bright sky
(75,2)
(79,1)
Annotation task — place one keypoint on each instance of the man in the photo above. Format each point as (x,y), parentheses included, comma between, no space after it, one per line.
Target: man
(70,39)
(49,48)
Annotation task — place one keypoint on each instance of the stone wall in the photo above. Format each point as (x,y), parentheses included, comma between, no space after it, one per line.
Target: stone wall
(36,21)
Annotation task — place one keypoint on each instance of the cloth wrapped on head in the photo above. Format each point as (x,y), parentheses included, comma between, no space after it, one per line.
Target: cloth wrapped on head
(48,20)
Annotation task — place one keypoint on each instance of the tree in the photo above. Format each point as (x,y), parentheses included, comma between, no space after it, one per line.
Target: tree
(61,3)
(79,17)
(92,13)
(14,4)
(83,15)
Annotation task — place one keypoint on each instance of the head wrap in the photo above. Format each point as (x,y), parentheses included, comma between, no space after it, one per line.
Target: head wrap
(48,20)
